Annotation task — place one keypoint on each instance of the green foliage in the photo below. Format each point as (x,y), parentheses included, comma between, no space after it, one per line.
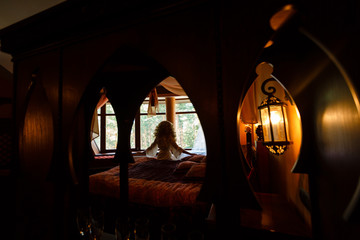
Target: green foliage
(132,136)
(147,128)
(109,109)
(184,107)
(111,132)
(187,127)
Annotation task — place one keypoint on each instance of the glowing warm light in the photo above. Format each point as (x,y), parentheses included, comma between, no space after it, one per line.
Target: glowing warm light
(269,43)
(338,121)
(297,112)
(288,7)
(275,117)
(282,16)
(275,127)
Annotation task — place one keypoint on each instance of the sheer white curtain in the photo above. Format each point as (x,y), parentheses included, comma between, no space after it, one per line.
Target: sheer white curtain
(94,122)
(199,143)
(173,86)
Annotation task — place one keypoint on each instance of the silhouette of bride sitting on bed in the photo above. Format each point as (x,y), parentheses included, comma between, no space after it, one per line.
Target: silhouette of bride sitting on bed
(165,141)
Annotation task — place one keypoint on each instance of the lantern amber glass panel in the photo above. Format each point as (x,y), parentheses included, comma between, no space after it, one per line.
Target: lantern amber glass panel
(274,124)
(266,124)
(278,120)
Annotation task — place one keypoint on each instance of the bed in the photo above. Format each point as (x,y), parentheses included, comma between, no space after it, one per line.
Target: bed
(157,183)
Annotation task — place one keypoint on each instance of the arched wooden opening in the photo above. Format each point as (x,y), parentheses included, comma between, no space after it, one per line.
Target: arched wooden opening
(269,172)
(120,77)
(328,105)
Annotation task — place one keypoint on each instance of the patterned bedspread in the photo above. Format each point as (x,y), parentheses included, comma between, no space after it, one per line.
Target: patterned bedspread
(151,182)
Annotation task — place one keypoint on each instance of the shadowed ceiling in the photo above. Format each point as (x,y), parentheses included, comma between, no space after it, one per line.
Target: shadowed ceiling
(12,11)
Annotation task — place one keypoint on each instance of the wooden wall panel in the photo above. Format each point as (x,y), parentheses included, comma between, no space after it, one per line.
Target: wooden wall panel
(37,130)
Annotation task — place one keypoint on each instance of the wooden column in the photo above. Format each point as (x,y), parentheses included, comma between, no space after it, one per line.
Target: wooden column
(170,110)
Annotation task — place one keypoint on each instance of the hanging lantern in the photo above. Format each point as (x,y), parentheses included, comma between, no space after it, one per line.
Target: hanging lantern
(274,121)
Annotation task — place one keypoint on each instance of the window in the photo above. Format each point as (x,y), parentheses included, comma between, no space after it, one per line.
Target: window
(142,133)
(107,140)
(187,124)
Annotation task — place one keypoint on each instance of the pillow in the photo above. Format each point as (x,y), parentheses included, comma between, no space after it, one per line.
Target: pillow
(183,166)
(195,158)
(196,171)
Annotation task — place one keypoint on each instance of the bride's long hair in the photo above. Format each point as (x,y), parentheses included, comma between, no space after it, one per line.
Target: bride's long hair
(165,129)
